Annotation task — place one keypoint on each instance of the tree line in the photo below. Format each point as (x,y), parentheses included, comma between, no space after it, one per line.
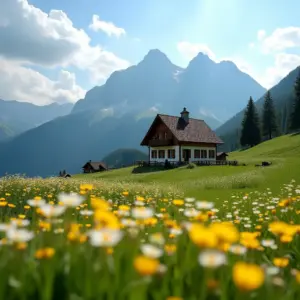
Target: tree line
(257,128)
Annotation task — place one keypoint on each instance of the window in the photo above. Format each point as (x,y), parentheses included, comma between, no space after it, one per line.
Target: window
(154,153)
(211,153)
(203,153)
(196,153)
(171,153)
(161,153)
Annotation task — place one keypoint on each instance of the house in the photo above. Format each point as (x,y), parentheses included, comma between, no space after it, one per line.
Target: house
(221,156)
(93,166)
(180,139)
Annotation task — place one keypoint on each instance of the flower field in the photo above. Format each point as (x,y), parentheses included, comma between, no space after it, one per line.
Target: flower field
(70,239)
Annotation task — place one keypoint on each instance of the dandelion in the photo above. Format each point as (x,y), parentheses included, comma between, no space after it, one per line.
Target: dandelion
(211,258)
(248,277)
(281,262)
(146,266)
(44,253)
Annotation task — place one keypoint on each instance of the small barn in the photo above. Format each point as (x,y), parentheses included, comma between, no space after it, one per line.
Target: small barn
(94,166)
(222,156)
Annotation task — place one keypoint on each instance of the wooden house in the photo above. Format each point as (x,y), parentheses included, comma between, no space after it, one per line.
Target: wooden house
(93,166)
(180,139)
(222,156)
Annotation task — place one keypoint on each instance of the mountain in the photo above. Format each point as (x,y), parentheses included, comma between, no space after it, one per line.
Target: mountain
(282,95)
(212,91)
(17,117)
(124,157)
(119,113)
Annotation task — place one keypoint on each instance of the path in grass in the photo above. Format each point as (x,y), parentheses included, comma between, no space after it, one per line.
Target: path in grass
(212,182)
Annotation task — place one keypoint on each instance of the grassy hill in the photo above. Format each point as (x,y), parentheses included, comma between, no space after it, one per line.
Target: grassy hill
(214,182)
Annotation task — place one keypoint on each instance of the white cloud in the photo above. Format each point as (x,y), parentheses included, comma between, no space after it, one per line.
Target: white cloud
(190,50)
(30,35)
(107,27)
(24,84)
(281,39)
(284,63)
(261,34)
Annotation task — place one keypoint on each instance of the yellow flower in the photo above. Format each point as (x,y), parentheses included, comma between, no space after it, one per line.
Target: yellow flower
(21,246)
(45,253)
(281,262)
(203,237)
(86,187)
(106,219)
(125,193)
(99,204)
(11,205)
(178,202)
(278,227)
(226,232)
(248,277)
(298,277)
(286,238)
(145,265)
(3,203)
(170,249)
(26,207)
(174,298)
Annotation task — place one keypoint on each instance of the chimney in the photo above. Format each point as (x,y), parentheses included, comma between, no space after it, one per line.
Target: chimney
(185,115)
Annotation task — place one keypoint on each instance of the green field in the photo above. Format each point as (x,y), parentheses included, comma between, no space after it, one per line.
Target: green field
(118,235)
(211,182)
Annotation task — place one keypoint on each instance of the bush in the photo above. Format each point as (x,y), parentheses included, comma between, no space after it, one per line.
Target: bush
(191,166)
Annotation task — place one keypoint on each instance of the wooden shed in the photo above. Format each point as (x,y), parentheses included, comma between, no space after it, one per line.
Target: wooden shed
(222,156)
(94,166)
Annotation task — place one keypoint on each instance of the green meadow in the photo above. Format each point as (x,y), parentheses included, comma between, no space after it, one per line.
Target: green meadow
(212,182)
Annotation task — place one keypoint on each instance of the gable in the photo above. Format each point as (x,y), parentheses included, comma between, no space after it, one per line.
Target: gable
(157,130)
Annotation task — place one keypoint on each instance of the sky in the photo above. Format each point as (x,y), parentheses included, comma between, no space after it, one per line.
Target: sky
(56,50)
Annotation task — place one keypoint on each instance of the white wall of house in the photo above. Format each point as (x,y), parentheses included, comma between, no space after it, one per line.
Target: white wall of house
(176,148)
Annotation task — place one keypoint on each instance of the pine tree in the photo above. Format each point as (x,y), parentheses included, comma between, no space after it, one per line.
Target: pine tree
(269,117)
(250,134)
(295,115)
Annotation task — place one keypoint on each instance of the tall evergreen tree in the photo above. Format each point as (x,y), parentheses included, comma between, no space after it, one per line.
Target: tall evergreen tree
(269,120)
(250,133)
(295,115)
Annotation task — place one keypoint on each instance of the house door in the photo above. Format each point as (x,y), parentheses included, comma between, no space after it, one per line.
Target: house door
(186,154)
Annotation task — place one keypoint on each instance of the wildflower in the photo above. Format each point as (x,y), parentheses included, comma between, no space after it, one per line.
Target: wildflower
(146,266)
(99,204)
(3,203)
(211,258)
(238,249)
(268,243)
(298,275)
(281,262)
(157,238)
(178,202)
(142,212)
(70,200)
(36,202)
(202,236)
(226,232)
(151,251)
(106,219)
(247,277)
(105,237)
(86,187)
(44,253)
(174,298)
(204,205)
(86,212)
(19,235)
(52,211)
(125,193)
(170,249)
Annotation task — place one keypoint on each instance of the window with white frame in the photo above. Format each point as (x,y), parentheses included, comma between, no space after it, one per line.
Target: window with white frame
(154,153)
(161,153)
(203,153)
(211,153)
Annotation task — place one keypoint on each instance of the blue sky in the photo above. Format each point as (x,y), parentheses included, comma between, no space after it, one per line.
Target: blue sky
(180,28)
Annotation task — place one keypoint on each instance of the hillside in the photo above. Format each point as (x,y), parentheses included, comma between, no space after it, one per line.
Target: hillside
(17,117)
(282,94)
(211,182)
(124,157)
(118,114)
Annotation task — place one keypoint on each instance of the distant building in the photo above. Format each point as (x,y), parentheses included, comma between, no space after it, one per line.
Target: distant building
(180,139)
(222,156)
(93,166)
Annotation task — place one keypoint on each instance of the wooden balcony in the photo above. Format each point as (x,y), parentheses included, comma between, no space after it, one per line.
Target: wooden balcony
(160,143)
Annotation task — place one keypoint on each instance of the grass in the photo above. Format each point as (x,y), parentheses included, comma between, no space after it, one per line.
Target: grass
(118,235)
(221,181)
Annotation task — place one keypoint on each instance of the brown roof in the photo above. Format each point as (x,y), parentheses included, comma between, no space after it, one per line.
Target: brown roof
(195,131)
(95,164)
